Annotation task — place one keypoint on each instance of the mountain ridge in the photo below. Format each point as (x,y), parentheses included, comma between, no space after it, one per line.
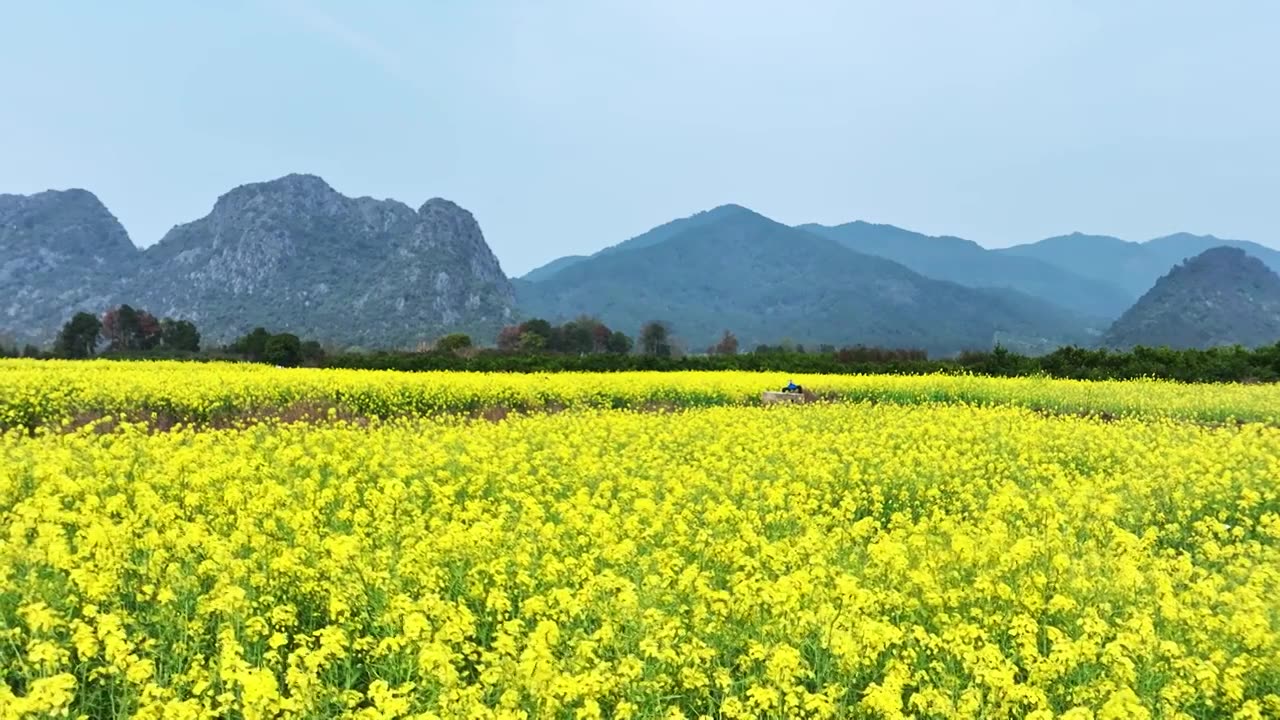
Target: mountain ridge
(967,263)
(1098,276)
(651,236)
(766,281)
(292,254)
(1132,265)
(1223,296)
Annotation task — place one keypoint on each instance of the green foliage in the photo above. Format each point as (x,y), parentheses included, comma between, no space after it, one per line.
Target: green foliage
(129,332)
(79,336)
(252,345)
(180,335)
(582,336)
(532,342)
(539,327)
(312,353)
(655,339)
(619,343)
(574,337)
(284,349)
(453,342)
(129,329)
(1216,365)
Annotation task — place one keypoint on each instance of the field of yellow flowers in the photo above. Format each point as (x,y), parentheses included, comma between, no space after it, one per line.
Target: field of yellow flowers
(35,393)
(898,559)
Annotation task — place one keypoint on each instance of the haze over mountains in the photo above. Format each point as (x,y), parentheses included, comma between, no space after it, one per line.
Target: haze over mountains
(1133,267)
(293,254)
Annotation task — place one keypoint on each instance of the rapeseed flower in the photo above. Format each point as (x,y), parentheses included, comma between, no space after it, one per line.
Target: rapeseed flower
(837,560)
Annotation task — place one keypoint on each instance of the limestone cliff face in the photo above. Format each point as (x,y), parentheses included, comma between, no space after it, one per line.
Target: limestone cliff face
(61,252)
(295,255)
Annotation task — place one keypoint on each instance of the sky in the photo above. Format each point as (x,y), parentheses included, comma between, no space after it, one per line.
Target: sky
(566,127)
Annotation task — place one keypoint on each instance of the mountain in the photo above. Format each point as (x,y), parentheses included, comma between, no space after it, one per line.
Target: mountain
(1222,296)
(967,263)
(1132,266)
(61,252)
(731,268)
(294,254)
(543,272)
(657,235)
(290,254)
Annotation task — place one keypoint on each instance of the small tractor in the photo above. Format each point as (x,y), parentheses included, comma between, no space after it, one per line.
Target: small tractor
(792,393)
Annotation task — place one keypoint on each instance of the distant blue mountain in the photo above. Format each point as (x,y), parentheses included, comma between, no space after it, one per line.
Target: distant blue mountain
(543,272)
(1131,266)
(968,263)
(651,237)
(1220,297)
(731,268)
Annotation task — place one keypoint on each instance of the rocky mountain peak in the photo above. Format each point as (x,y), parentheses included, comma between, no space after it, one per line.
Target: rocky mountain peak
(294,254)
(61,251)
(1223,296)
(292,193)
(290,254)
(63,221)
(440,205)
(440,217)
(1220,257)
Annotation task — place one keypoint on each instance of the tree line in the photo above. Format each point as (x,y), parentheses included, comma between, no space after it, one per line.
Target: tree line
(124,329)
(127,332)
(1228,364)
(586,344)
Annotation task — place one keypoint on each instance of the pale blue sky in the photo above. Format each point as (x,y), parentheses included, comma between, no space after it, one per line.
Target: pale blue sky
(568,126)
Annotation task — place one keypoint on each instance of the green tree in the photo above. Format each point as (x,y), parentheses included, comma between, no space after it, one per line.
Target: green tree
(538,327)
(532,342)
(619,343)
(252,345)
(284,349)
(312,352)
(574,338)
(453,342)
(79,337)
(179,335)
(655,339)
